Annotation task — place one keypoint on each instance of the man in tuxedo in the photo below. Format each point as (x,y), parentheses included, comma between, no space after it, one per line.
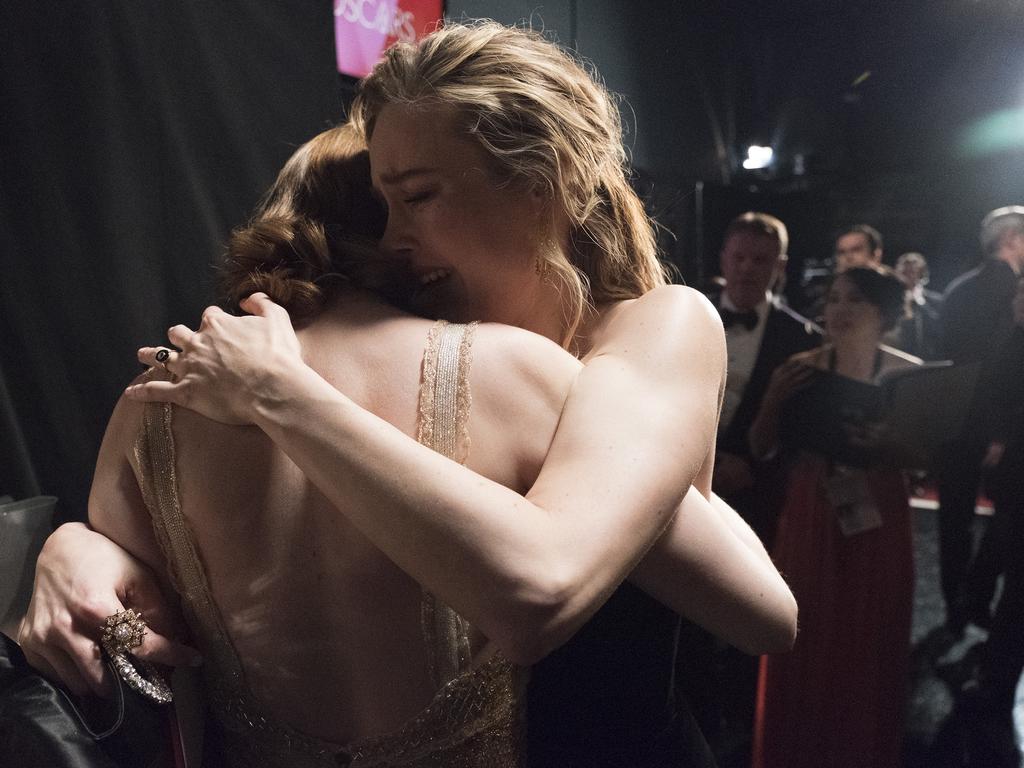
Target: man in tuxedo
(760,334)
(976,322)
(859,245)
(984,707)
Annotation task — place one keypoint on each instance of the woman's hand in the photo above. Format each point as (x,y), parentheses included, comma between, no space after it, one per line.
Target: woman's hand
(788,379)
(229,365)
(81,578)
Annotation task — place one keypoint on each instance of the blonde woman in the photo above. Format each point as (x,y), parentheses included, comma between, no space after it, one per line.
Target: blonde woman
(501,163)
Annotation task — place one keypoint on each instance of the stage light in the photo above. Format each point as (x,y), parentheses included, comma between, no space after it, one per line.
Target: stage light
(758,157)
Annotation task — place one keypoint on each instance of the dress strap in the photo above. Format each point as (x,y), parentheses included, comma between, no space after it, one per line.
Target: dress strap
(155,454)
(226,685)
(444,405)
(445,399)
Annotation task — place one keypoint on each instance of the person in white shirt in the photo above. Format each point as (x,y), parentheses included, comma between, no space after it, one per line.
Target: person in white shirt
(761,333)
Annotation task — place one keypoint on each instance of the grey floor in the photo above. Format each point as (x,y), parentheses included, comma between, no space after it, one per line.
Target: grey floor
(930,699)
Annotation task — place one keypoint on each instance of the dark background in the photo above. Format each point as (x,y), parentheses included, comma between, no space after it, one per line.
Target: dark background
(134,134)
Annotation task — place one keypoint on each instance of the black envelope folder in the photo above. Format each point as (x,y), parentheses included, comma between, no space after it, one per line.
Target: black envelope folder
(923,408)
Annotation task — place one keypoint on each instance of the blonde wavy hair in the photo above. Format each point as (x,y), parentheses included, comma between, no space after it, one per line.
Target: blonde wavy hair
(548,124)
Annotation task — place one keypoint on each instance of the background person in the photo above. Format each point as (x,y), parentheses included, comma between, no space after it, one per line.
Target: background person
(760,334)
(976,319)
(844,543)
(918,332)
(858,245)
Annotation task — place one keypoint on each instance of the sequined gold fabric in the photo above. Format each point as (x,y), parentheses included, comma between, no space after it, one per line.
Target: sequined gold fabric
(445,401)
(476,719)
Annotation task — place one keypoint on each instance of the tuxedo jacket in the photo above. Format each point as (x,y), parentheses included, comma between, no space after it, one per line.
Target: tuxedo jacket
(784,336)
(975,323)
(977,312)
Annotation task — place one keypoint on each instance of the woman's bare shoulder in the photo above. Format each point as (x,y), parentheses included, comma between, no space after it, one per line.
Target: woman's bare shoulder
(672,321)
(126,418)
(671,300)
(505,357)
(520,382)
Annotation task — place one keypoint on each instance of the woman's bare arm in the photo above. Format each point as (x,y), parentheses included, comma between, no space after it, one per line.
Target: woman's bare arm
(710,567)
(85,574)
(634,432)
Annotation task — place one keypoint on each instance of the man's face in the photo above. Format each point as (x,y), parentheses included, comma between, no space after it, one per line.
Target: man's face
(750,264)
(910,273)
(1017,244)
(854,250)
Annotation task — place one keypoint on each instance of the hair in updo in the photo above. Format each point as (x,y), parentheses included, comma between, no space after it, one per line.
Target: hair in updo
(882,288)
(316,229)
(549,125)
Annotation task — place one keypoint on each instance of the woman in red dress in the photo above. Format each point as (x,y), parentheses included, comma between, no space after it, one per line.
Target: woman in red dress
(844,546)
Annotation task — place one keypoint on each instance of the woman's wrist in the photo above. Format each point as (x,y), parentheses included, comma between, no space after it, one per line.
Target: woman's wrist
(287,395)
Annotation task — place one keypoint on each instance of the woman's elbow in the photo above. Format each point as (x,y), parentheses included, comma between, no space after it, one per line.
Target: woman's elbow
(536,621)
(777,629)
(783,635)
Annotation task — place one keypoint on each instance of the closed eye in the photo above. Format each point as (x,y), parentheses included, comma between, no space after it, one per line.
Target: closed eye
(418,197)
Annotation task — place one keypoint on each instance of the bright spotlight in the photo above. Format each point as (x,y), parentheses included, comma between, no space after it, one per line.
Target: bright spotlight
(758,157)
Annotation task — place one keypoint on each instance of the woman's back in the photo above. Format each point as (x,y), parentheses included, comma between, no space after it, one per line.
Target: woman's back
(327,629)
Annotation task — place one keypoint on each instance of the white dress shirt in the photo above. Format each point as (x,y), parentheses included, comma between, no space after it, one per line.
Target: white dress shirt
(742,347)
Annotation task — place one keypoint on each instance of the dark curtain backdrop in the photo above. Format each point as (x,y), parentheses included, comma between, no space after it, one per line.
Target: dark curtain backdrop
(133,135)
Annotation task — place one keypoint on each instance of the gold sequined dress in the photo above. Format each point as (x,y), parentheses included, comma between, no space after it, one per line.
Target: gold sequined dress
(475,719)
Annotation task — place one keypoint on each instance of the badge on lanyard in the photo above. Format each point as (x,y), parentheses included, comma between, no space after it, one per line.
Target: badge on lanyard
(849,494)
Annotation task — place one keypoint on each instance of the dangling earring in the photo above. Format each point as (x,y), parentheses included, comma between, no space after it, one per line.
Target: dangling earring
(541,266)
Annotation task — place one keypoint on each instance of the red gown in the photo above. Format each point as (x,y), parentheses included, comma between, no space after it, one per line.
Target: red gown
(837,699)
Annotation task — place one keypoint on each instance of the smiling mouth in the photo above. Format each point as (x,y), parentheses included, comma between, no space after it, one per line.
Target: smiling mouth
(433,276)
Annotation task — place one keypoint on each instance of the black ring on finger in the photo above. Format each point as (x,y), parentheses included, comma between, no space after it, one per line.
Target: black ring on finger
(163,356)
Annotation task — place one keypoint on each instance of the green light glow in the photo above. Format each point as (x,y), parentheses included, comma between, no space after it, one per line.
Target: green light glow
(996,132)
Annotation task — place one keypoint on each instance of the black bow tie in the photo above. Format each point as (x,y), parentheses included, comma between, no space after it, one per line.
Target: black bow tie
(747,319)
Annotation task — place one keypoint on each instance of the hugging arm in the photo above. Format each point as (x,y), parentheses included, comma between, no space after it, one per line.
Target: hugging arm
(635,429)
(85,574)
(710,567)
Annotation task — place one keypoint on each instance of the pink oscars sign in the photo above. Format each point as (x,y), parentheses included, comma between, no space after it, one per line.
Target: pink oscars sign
(363,29)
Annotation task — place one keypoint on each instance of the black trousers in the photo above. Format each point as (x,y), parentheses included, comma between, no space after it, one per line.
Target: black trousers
(959,478)
(1003,661)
